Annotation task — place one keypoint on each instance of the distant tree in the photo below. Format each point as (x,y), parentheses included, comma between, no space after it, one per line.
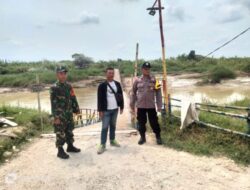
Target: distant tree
(182,57)
(192,55)
(81,61)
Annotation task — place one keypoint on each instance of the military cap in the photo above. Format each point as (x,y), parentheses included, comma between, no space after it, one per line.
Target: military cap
(146,65)
(61,69)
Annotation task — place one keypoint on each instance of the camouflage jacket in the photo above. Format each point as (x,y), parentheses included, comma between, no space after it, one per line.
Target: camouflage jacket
(63,101)
(144,94)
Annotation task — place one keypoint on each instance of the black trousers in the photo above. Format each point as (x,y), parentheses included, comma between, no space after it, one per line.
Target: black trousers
(153,120)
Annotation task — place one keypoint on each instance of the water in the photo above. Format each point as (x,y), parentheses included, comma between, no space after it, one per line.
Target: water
(180,88)
(224,93)
(213,94)
(87,98)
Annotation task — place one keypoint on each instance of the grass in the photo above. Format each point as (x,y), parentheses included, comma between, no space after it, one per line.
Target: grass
(228,122)
(200,140)
(22,74)
(206,141)
(46,77)
(30,120)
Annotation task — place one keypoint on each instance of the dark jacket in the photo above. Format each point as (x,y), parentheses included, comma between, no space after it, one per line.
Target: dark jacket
(102,102)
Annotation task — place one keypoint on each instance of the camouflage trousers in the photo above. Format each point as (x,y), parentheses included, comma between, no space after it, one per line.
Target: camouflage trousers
(64,133)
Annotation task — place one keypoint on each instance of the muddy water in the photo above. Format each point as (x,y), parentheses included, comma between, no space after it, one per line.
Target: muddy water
(179,87)
(86,98)
(224,93)
(184,87)
(213,94)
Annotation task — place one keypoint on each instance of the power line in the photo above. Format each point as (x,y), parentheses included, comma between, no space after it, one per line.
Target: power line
(228,42)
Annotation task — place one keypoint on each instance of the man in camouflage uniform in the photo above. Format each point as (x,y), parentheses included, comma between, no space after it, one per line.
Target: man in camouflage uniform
(145,94)
(63,105)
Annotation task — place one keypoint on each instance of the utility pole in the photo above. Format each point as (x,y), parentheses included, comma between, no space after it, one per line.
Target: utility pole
(164,66)
(152,11)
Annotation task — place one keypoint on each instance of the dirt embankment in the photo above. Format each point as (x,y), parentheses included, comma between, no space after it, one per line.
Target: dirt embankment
(90,82)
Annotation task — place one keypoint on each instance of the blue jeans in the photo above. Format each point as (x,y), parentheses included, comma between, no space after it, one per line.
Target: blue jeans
(108,121)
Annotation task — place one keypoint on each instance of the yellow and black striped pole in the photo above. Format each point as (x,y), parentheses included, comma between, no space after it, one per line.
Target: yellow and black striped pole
(164,66)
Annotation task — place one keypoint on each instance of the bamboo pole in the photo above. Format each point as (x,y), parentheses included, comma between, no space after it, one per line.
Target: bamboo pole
(136,60)
(39,101)
(248,122)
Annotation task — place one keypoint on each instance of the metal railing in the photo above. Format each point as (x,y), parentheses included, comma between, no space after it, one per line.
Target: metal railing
(86,117)
(227,114)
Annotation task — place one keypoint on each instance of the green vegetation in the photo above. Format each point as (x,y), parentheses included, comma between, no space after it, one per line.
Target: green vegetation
(206,141)
(202,140)
(221,72)
(22,74)
(29,120)
(228,122)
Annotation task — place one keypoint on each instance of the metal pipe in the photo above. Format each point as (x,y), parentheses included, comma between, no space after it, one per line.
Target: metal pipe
(176,99)
(226,107)
(176,106)
(224,113)
(223,129)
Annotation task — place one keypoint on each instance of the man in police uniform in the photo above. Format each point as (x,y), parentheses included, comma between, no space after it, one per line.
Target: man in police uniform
(144,93)
(63,105)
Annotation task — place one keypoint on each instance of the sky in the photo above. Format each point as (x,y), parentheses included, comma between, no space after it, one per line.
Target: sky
(32,30)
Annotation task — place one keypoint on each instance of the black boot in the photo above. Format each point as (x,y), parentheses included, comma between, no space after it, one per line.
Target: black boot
(142,139)
(62,154)
(158,139)
(71,148)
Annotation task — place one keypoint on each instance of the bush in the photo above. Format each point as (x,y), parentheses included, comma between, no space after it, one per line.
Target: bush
(220,72)
(246,68)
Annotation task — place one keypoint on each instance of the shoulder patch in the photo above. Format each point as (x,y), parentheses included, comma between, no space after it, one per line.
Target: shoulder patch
(72,92)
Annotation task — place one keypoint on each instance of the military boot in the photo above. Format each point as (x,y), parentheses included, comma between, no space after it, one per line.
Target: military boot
(62,154)
(72,148)
(158,139)
(142,139)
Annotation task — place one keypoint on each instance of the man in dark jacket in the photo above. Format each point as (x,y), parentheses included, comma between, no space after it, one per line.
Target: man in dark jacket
(110,99)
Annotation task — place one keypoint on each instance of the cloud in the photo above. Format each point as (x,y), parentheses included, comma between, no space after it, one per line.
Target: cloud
(124,1)
(229,11)
(245,3)
(85,18)
(176,13)
(39,26)
(11,41)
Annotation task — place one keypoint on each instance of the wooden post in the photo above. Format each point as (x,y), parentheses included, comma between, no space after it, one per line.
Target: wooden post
(164,81)
(169,105)
(136,60)
(86,117)
(39,101)
(248,122)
